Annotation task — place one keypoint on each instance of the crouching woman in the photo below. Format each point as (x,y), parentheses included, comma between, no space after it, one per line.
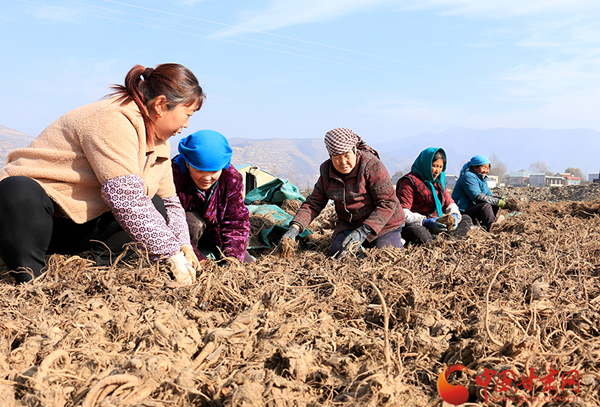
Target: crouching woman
(101,173)
(424,198)
(211,192)
(368,211)
(472,194)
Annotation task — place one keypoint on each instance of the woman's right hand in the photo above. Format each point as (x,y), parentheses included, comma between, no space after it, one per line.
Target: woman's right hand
(181,268)
(434,226)
(191,257)
(291,233)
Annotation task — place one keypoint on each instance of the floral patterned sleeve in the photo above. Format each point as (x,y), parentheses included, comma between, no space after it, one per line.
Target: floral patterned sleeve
(136,214)
(176,220)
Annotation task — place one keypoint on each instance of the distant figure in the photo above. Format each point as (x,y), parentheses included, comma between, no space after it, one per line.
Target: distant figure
(368,212)
(472,194)
(424,199)
(101,172)
(211,192)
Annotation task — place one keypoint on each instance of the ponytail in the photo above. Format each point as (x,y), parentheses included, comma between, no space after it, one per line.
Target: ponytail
(143,85)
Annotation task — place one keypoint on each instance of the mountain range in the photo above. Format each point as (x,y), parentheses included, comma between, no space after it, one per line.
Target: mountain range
(299,159)
(9,140)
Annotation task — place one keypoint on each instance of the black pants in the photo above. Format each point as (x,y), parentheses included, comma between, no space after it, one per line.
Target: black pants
(198,226)
(483,213)
(29,230)
(417,234)
(392,238)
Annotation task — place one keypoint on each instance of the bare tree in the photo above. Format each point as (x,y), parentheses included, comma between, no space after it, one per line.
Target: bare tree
(538,166)
(497,167)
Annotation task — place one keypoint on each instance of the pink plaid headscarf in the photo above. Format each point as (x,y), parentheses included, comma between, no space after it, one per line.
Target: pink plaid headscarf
(341,140)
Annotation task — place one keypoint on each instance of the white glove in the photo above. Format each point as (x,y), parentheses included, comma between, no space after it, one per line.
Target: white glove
(191,257)
(182,270)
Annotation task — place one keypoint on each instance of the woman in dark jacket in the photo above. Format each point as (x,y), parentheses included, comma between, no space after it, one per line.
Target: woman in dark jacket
(368,212)
(424,197)
(211,192)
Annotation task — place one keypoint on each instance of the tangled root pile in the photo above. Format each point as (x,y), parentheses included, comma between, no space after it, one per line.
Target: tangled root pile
(287,248)
(447,220)
(310,330)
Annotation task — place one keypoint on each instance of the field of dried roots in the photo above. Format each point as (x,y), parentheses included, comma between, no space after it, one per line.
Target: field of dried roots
(306,330)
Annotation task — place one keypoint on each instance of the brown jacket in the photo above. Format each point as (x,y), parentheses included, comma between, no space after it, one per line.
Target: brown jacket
(87,146)
(365,196)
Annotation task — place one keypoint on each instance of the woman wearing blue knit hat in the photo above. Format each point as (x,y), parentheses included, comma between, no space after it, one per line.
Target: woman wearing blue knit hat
(211,192)
(472,194)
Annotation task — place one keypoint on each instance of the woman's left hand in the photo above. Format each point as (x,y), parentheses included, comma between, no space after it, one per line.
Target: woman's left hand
(455,216)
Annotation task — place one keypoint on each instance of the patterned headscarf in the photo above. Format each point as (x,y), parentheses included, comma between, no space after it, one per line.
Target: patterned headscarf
(341,140)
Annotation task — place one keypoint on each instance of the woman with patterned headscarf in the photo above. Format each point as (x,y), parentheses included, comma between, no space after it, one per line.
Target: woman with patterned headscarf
(368,212)
(211,192)
(424,198)
(472,194)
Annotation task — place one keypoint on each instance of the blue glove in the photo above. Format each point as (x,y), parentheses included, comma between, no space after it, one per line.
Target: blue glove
(358,235)
(456,221)
(434,226)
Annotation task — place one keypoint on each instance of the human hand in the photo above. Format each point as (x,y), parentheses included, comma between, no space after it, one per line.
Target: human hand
(501,203)
(358,235)
(191,257)
(182,270)
(434,226)
(456,221)
(291,233)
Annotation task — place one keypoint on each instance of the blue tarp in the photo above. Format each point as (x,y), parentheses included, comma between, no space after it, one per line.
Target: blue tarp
(278,216)
(275,191)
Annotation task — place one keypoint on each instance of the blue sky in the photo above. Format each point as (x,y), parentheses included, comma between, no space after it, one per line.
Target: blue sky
(297,68)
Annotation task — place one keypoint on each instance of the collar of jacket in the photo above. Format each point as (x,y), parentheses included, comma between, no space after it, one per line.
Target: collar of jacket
(161,149)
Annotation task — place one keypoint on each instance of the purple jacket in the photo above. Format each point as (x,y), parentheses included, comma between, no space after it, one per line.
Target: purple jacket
(226,216)
(366,195)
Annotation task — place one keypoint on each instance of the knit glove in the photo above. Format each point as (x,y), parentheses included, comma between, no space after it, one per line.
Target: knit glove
(455,216)
(501,203)
(182,270)
(191,257)
(434,226)
(291,233)
(358,235)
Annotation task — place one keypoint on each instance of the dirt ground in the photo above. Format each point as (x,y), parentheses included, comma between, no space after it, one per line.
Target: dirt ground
(375,329)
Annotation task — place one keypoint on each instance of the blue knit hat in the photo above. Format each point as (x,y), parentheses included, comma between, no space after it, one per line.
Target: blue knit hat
(205,150)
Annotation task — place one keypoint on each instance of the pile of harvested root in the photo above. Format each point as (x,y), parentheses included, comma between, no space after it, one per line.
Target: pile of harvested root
(309,330)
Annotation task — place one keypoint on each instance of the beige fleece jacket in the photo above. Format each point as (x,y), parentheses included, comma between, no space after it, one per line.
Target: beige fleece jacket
(87,146)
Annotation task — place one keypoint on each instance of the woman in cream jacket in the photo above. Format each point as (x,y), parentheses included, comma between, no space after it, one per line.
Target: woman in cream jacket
(102,172)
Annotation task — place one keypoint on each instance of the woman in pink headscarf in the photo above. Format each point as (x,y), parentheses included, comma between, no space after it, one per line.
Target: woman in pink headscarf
(368,211)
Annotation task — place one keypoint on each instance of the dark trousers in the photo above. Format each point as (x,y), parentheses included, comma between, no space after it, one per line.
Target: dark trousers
(198,226)
(392,238)
(418,235)
(29,230)
(482,213)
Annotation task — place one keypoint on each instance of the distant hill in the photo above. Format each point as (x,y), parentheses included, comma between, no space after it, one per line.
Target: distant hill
(299,159)
(9,140)
(517,148)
